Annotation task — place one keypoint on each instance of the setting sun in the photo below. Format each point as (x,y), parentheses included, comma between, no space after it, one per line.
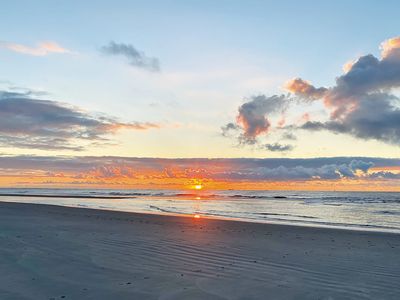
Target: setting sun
(198,187)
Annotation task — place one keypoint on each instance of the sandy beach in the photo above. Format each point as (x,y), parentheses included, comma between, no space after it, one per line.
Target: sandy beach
(52,252)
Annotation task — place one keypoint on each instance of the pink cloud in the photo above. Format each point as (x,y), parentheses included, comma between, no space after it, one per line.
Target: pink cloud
(41,49)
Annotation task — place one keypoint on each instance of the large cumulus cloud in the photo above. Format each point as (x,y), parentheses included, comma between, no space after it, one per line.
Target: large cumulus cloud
(27,122)
(362,102)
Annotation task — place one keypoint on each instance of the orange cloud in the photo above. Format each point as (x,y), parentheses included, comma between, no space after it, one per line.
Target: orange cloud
(305,89)
(179,183)
(348,65)
(390,47)
(158,173)
(394,169)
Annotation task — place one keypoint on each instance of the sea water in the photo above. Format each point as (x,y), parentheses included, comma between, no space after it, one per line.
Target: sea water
(354,210)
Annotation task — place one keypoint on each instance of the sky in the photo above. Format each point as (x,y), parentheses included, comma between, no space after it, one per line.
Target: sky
(231,82)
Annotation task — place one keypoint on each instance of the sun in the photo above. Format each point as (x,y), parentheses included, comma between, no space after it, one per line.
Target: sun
(198,187)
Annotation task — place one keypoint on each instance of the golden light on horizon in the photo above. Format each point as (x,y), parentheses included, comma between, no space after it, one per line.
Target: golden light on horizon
(198,186)
(196,216)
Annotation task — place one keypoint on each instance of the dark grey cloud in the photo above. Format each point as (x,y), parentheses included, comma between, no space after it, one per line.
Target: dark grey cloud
(27,122)
(276,147)
(362,102)
(364,166)
(375,118)
(297,169)
(295,173)
(81,167)
(135,57)
(253,117)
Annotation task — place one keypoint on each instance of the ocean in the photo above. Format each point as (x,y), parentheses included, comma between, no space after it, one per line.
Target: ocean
(379,211)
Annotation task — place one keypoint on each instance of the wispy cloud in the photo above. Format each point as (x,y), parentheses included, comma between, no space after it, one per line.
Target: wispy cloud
(41,49)
(277,147)
(135,57)
(27,122)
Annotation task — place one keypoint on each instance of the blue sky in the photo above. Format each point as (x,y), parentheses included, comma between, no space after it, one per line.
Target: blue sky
(213,56)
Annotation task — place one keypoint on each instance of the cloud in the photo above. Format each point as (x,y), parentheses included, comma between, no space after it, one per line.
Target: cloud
(135,57)
(305,89)
(303,169)
(228,128)
(361,165)
(361,103)
(348,65)
(236,169)
(276,147)
(253,117)
(109,171)
(375,118)
(300,173)
(41,49)
(27,122)
(390,47)
(385,175)
(289,136)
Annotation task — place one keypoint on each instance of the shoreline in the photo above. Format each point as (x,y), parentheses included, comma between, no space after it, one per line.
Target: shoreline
(54,252)
(357,228)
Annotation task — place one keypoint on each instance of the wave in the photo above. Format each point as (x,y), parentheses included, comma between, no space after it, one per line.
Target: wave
(388,212)
(348,208)
(287,215)
(161,209)
(130,194)
(240,196)
(308,198)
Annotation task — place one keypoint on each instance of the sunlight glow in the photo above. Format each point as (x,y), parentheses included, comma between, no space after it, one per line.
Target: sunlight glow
(198,187)
(196,216)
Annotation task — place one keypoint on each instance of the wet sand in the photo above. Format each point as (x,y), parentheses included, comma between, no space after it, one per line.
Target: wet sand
(52,252)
